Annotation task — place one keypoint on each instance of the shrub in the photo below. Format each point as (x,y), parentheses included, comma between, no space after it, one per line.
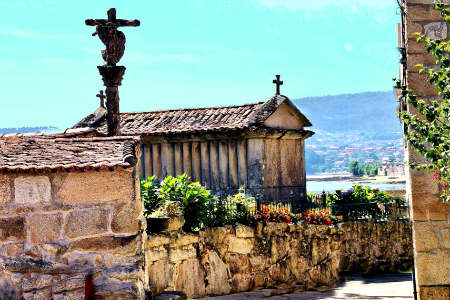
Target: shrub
(149,195)
(193,199)
(235,209)
(363,202)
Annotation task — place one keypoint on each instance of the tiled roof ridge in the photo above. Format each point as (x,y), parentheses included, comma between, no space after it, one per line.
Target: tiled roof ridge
(135,139)
(46,154)
(194,108)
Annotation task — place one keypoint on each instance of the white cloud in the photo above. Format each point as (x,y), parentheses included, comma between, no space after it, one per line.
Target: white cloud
(320,4)
(35,35)
(348,47)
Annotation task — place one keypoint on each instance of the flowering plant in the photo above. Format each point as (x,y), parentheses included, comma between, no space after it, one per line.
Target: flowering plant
(320,217)
(283,214)
(271,213)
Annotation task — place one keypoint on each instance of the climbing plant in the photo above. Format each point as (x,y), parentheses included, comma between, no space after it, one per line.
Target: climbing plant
(429,130)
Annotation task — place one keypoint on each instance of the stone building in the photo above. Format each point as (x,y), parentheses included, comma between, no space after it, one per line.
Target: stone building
(69,214)
(430,216)
(259,146)
(391,169)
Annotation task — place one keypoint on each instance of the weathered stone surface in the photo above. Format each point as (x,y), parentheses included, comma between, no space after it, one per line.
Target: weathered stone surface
(125,272)
(238,245)
(217,274)
(418,13)
(434,292)
(69,284)
(182,253)
(175,224)
(156,253)
(184,240)
(112,289)
(125,219)
(12,229)
(32,189)
(241,282)
(11,249)
(45,228)
(416,59)
(429,207)
(434,267)
(244,232)
(436,30)
(37,282)
(160,275)
(70,295)
(279,254)
(91,186)
(423,88)
(80,223)
(108,243)
(189,278)
(156,241)
(425,236)
(5,189)
(45,294)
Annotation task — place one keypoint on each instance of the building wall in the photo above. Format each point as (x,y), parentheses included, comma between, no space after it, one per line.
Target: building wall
(431,230)
(392,170)
(268,167)
(57,228)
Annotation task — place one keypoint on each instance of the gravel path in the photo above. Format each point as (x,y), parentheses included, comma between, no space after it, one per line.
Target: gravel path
(389,287)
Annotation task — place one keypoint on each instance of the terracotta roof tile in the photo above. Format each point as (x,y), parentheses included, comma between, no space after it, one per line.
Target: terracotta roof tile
(50,153)
(186,120)
(191,120)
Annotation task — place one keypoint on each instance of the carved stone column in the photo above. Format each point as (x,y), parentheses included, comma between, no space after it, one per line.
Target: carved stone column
(112,78)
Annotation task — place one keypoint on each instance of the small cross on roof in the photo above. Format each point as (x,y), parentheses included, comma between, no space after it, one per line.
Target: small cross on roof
(279,83)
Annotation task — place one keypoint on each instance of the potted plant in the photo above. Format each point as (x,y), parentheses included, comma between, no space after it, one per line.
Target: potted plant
(166,217)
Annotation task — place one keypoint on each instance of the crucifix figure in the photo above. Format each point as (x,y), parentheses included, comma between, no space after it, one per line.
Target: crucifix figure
(102,97)
(278,82)
(113,39)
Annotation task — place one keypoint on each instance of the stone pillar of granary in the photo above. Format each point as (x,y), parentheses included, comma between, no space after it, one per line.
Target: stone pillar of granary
(430,216)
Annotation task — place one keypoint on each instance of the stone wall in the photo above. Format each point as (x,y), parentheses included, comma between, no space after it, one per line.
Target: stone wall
(55,229)
(233,259)
(431,229)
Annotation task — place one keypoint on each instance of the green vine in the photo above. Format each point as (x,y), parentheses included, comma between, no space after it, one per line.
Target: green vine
(429,131)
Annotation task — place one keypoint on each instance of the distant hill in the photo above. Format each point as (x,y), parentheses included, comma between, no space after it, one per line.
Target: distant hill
(46,129)
(363,126)
(371,112)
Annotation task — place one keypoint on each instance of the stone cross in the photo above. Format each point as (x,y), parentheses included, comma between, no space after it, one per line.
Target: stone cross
(102,97)
(278,82)
(113,39)
(112,75)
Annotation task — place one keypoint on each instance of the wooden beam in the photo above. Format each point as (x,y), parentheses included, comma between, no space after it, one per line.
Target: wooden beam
(196,162)
(242,162)
(204,151)
(187,159)
(233,165)
(156,159)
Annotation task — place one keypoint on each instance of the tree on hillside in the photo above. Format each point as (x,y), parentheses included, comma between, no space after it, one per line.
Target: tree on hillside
(429,131)
(355,168)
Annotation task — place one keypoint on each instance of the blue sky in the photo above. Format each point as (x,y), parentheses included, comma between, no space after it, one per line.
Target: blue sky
(190,53)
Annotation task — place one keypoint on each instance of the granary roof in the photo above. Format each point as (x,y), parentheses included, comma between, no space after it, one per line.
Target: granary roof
(41,153)
(194,120)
